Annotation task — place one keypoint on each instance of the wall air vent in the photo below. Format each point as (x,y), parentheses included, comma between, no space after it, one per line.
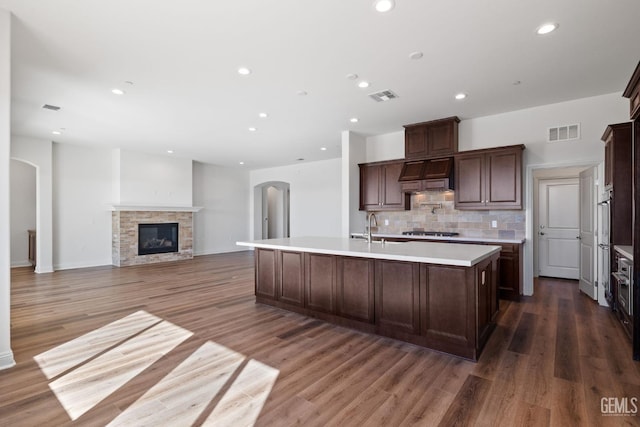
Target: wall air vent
(563,133)
(51,107)
(384,95)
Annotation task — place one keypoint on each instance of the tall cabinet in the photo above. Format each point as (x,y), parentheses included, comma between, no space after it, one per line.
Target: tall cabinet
(632,92)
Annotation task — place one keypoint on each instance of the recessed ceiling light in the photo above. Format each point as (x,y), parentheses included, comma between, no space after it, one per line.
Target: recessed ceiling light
(242,163)
(244,71)
(351,76)
(170,151)
(384,5)
(353,120)
(461,96)
(546,28)
(416,55)
(56,132)
(323,148)
(252,129)
(263,115)
(302,93)
(117,91)
(363,84)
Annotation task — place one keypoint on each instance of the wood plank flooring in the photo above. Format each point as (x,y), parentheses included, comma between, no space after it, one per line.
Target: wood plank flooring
(185,344)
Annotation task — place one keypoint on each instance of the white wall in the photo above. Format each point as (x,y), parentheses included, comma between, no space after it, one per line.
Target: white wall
(23,210)
(354,151)
(82,195)
(6,355)
(315,196)
(224,219)
(153,180)
(389,146)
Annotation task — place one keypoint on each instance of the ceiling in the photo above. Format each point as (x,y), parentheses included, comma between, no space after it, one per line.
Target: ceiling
(186,95)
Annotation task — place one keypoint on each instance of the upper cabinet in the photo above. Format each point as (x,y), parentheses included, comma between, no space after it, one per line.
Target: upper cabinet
(489,179)
(436,138)
(380,189)
(633,93)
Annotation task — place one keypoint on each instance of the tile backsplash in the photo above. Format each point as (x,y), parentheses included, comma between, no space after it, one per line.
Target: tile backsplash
(434,211)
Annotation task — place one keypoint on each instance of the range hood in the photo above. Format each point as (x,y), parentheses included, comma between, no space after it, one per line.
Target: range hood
(431,174)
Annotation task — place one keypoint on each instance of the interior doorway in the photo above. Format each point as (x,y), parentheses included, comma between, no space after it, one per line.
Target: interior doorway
(23,203)
(271,210)
(565,224)
(559,228)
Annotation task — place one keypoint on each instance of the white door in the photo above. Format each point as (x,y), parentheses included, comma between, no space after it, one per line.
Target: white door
(558,213)
(587,232)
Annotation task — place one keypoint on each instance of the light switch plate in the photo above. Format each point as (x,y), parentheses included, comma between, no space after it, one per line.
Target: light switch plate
(386,222)
(494,224)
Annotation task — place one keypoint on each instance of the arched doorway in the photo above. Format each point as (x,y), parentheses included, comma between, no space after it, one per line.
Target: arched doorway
(271,210)
(23,205)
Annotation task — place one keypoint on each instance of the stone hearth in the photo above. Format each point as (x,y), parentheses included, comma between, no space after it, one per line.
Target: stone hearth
(124,248)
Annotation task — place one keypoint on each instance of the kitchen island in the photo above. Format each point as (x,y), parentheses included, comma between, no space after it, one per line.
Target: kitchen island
(438,295)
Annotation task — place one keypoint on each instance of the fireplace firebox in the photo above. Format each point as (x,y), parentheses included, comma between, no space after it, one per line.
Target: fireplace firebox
(157,238)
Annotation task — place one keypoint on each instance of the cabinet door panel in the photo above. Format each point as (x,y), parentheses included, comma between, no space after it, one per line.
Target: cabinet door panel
(292,278)
(320,280)
(370,186)
(392,190)
(450,311)
(397,296)
(440,139)
(355,288)
(504,177)
(266,273)
(414,143)
(469,177)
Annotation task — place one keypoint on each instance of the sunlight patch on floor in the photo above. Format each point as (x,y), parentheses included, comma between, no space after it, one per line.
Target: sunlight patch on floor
(242,403)
(72,353)
(84,387)
(181,396)
(93,366)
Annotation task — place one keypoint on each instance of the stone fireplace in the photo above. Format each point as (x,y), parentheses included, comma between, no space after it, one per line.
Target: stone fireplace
(143,235)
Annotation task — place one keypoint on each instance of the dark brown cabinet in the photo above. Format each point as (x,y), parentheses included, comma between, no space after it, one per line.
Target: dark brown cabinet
(489,179)
(619,175)
(433,174)
(447,308)
(266,273)
(632,92)
(380,189)
(355,284)
(397,296)
(320,282)
(291,289)
(509,271)
(449,296)
(435,138)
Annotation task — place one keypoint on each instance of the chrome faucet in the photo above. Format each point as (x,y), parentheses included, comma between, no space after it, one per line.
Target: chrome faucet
(367,234)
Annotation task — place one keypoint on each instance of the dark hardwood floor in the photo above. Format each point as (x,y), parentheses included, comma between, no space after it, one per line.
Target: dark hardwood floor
(185,344)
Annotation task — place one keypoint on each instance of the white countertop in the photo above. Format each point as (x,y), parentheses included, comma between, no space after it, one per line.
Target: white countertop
(625,251)
(465,255)
(443,238)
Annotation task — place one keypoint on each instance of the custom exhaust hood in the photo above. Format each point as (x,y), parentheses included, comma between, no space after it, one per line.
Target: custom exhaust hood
(429,174)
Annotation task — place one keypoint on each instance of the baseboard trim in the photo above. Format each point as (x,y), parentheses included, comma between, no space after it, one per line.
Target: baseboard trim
(7,361)
(72,266)
(18,264)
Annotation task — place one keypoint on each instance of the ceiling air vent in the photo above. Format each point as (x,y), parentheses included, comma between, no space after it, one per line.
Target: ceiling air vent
(51,107)
(385,95)
(563,133)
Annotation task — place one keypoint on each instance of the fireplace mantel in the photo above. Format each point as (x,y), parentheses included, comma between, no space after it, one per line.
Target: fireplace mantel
(142,208)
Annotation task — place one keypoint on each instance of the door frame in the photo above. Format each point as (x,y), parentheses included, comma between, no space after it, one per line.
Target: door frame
(260,205)
(538,199)
(533,173)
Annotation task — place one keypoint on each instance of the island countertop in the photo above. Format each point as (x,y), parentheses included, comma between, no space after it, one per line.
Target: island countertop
(464,255)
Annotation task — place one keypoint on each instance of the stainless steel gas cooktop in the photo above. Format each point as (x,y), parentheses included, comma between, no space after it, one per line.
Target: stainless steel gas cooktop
(429,233)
